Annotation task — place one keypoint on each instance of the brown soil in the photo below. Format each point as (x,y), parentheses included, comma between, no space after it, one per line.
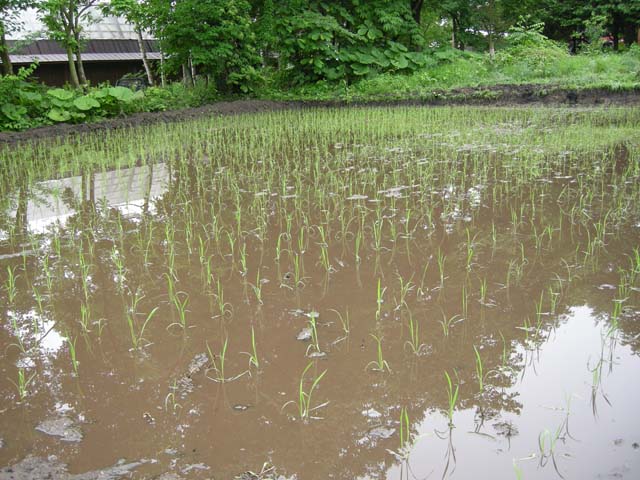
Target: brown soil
(495,95)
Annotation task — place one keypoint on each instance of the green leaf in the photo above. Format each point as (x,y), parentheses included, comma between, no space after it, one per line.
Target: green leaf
(102,93)
(85,103)
(27,96)
(360,69)
(365,58)
(400,62)
(58,115)
(60,94)
(13,112)
(122,94)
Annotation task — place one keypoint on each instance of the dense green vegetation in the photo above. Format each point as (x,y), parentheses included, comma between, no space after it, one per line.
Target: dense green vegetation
(345,50)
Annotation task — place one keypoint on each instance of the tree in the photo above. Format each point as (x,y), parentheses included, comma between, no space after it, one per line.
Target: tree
(137,14)
(346,39)
(214,36)
(495,17)
(624,19)
(568,19)
(9,10)
(64,21)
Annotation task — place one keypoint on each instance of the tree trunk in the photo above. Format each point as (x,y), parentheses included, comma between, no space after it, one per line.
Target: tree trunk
(492,47)
(416,10)
(454,42)
(145,60)
(615,32)
(7,68)
(187,78)
(81,76)
(163,80)
(73,73)
(638,39)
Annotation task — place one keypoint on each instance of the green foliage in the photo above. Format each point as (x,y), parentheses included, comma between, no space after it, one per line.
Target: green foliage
(26,104)
(529,50)
(345,41)
(216,36)
(22,101)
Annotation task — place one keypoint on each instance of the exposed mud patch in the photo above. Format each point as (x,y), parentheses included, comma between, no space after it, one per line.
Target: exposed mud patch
(62,427)
(38,468)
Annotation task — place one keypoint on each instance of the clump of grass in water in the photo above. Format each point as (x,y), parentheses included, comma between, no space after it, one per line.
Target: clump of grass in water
(131,313)
(219,366)
(23,383)
(313,325)
(305,397)
(416,347)
(379,364)
(253,355)
(452,396)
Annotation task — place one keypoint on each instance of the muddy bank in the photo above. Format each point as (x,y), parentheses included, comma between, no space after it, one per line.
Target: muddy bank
(495,95)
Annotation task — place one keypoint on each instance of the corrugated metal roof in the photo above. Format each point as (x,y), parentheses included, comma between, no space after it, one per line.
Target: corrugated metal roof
(47,47)
(87,57)
(100,28)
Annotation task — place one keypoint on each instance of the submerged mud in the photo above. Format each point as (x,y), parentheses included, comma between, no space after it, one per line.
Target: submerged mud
(325,294)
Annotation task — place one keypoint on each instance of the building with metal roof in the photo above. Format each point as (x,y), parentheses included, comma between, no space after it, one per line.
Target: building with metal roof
(110,50)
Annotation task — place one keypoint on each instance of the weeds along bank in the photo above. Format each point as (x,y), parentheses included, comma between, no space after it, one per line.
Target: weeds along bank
(402,287)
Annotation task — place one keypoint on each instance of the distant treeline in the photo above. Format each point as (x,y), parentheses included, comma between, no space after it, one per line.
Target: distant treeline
(233,43)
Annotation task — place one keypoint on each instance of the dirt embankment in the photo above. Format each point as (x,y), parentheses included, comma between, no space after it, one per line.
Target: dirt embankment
(495,95)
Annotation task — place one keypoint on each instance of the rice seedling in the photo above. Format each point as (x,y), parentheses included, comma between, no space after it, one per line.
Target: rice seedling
(358,242)
(452,396)
(447,323)
(170,399)
(483,291)
(136,332)
(218,367)
(441,258)
(547,441)
(22,385)
(17,334)
(253,355)
(180,301)
(379,364)
(406,442)
(414,343)
(257,288)
(10,285)
(305,398)
(72,353)
(379,299)
(224,308)
(344,321)
(479,370)
(405,288)
(85,317)
(313,326)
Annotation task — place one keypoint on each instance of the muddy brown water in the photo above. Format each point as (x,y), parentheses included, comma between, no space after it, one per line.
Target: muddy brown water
(560,390)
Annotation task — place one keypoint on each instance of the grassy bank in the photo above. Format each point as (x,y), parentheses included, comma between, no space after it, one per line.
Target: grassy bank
(452,69)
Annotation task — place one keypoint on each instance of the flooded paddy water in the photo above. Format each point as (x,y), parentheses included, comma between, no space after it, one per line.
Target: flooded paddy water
(352,294)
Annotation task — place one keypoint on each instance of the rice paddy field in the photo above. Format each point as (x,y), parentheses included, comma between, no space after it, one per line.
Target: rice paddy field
(364,293)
